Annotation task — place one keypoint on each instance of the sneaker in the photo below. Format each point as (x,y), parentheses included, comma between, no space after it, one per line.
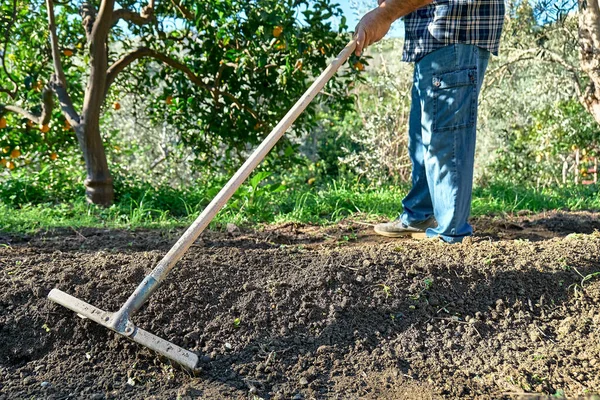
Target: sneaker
(397,229)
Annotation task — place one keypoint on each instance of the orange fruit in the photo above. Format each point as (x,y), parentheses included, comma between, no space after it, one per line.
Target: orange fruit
(277,31)
(359,66)
(45,128)
(169,100)
(116,105)
(10,165)
(37,86)
(30,124)
(2,123)
(67,126)
(3,162)
(322,50)
(280,46)
(53,156)
(299,65)
(68,52)
(15,153)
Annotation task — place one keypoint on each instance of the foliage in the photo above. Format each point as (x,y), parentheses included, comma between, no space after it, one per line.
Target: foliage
(27,68)
(371,142)
(522,81)
(225,73)
(543,151)
(261,53)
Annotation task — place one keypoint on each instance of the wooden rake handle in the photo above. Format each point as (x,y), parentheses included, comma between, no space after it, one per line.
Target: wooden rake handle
(152,281)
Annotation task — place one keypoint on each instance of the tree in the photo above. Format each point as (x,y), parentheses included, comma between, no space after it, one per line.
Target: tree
(546,18)
(589,40)
(224,70)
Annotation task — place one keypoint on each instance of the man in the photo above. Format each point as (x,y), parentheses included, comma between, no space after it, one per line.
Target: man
(450,42)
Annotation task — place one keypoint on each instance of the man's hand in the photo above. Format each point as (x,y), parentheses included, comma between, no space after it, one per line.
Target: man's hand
(376,23)
(372,28)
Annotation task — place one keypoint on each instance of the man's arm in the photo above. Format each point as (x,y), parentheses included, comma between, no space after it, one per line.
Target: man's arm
(376,23)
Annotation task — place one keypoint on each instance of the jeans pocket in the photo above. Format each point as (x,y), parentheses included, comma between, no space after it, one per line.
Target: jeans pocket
(454,99)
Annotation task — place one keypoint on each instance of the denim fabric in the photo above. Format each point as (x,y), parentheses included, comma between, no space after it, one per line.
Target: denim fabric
(441,139)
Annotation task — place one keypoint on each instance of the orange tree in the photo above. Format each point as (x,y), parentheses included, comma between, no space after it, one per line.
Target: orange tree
(221,71)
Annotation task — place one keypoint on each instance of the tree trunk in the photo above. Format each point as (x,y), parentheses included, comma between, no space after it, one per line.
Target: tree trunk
(589,53)
(98,183)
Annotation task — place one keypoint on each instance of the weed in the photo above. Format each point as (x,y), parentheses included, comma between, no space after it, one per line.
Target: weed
(386,290)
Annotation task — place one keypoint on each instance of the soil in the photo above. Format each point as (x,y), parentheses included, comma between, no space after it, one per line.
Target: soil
(302,312)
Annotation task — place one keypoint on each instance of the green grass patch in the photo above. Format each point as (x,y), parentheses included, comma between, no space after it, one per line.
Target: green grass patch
(262,201)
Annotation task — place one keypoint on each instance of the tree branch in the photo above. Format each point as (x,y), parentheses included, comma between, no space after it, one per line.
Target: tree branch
(187,14)
(144,17)
(542,54)
(66,105)
(58,82)
(103,22)
(58,69)
(141,52)
(45,115)
(12,93)
(88,15)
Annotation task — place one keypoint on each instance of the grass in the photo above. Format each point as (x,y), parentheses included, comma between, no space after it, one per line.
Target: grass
(269,203)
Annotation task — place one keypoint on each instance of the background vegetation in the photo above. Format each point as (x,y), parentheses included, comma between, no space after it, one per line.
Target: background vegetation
(169,153)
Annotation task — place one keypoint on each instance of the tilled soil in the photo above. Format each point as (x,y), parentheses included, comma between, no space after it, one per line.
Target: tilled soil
(301,312)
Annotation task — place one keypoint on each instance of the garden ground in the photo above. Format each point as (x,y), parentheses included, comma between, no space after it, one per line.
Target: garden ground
(297,312)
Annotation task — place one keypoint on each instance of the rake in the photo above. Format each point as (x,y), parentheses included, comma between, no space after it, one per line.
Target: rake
(120,321)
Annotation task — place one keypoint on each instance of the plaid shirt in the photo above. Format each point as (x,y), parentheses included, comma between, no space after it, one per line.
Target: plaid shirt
(445,22)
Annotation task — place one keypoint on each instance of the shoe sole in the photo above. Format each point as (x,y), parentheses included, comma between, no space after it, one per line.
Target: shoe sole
(414,235)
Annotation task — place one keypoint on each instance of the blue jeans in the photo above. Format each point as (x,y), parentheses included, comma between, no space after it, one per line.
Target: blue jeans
(441,139)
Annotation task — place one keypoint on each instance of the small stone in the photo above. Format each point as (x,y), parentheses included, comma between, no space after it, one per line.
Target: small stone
(298,396)
(344,302)
(253,390)
(499,306)
(45,384)
(360,278)
(429,327)
(534,335)
(303,381)
(231,228)
(228,346)
(27,380)
(366,264)
(322,349)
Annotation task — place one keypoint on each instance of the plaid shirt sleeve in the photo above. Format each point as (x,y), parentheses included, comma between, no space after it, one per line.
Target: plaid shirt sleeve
(445,22)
